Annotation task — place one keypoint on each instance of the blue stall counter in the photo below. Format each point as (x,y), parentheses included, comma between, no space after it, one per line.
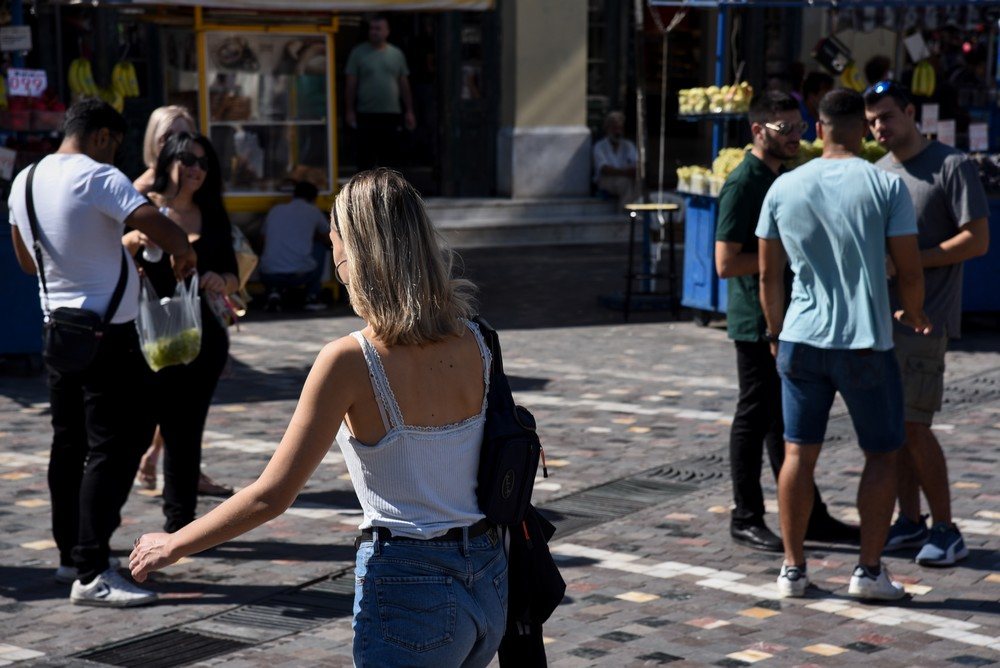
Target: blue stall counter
(981,275)
(21,333)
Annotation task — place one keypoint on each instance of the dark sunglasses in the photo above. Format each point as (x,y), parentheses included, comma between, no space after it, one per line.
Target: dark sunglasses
(190,160)
(882,88)
(784,128)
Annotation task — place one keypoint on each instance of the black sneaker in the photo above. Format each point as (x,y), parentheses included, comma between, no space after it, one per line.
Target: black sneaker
(273,302)
(828,529)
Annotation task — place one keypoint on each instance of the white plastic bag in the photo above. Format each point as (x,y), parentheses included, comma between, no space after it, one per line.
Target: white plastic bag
(169,328)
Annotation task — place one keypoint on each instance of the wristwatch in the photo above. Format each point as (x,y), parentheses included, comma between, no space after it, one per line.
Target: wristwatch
(769,337)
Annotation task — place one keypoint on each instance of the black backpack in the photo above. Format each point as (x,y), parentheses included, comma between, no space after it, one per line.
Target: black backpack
(509,457)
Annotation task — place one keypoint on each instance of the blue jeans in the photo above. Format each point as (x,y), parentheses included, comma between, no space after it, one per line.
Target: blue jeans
(439,604)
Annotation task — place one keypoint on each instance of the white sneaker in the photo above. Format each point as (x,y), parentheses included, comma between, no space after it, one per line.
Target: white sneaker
(880,588)
(110,590)
(68,574)
(792,581)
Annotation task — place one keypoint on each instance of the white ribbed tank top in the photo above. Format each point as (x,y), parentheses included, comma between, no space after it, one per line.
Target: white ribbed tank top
(418,482)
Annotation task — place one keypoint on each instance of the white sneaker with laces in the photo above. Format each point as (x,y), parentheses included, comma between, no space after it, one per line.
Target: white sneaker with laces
(792,581)
(110,590)
(880,588)
(68,574)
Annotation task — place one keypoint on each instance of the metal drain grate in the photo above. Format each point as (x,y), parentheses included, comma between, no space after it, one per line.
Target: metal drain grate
(163,650)
(612,500)
(973,391)
(297,610)
(710,468)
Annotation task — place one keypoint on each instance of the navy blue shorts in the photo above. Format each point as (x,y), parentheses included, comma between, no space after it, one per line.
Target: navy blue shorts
(868,380)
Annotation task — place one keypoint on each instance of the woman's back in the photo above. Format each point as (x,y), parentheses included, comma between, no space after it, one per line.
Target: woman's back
(415,473)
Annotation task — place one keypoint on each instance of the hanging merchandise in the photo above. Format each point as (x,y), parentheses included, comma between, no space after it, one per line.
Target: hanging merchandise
(124,79)
(853,78)
(81,78)
(924,79)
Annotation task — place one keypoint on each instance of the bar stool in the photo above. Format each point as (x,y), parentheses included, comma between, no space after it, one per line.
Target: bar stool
(648,272)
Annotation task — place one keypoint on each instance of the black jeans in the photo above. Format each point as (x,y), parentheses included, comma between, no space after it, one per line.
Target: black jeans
(102,423)
(757,426)
(183,395)
(380,140)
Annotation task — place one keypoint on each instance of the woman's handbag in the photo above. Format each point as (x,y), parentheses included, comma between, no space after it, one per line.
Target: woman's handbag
(72,336)
(509,456)
(169,328)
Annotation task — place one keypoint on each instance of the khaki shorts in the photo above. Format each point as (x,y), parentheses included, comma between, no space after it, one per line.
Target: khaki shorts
(921,363)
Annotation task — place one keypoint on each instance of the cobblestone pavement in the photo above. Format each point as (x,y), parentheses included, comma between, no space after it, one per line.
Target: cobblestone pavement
(634,419)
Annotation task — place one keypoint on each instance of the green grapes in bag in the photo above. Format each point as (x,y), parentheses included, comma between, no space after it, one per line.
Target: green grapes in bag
(169,328)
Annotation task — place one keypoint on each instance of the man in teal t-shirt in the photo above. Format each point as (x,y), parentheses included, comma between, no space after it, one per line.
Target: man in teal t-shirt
(377,80)
(833,220)
(776,127)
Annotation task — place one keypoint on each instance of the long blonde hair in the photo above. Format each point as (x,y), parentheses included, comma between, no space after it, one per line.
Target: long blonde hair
(399,270)
(159,120)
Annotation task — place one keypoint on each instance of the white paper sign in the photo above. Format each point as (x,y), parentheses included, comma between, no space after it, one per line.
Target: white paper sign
(7,157)
(916,47)
(946,132)
(27,83)
(978,138)
(929,119)
(15,38)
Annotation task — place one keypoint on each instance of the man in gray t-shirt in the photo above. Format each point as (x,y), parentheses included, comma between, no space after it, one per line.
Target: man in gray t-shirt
(952,212)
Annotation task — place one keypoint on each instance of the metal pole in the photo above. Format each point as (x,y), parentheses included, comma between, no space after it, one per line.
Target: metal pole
(640,100)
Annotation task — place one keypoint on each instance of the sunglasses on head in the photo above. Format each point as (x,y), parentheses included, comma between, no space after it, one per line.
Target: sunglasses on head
(190,160)
(785,128)
(883,88)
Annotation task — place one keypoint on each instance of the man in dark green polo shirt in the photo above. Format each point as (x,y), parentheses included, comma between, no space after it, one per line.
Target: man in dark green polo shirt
(777,126)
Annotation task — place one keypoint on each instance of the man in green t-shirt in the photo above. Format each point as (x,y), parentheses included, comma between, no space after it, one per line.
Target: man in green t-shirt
(777,126)
(377,80)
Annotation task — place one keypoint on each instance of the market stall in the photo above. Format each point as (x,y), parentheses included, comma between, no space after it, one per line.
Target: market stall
(971,125)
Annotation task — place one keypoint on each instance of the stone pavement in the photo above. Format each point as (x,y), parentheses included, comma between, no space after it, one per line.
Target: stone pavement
(634,419)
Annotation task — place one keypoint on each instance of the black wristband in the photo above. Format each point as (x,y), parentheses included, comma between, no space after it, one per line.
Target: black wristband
(769,337)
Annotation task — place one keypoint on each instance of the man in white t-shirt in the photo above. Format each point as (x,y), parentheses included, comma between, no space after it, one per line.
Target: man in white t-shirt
(616,161)
(296,239)
(99,419)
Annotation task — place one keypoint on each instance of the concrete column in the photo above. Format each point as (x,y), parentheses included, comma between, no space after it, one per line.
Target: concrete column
(543,147)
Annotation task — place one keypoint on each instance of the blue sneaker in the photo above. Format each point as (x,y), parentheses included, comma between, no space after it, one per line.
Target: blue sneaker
(945,547)
(904,534)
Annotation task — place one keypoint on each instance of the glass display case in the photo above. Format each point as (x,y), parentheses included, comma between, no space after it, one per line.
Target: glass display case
(268,109)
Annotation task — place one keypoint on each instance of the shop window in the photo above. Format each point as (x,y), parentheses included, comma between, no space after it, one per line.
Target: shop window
(268,104)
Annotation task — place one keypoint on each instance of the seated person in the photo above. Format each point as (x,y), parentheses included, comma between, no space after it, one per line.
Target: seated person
(616,161)
(296,242)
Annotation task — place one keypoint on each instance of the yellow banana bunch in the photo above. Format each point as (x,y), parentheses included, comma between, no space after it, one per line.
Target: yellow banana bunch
(124,79)
(81,78)
(852,78)
(112,97)
(924,79)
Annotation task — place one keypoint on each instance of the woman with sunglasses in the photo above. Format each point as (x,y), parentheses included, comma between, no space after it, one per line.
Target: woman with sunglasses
(188,189)
(163,123)
(405,399)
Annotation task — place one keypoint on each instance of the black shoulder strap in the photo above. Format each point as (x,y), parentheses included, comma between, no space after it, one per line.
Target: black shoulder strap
(493,342)
(119,292)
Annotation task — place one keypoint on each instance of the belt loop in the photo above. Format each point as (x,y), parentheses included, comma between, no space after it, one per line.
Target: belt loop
(465,541)
(375,541)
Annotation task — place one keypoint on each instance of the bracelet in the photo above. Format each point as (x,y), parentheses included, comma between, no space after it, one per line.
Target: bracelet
(769,337)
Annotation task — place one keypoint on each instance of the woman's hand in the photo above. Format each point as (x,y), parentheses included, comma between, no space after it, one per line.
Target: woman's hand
(213,282)
(149,554)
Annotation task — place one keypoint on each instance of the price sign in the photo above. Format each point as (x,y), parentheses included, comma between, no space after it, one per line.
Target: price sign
(7,157)
(929,119)
(27,83)
(15,38)
(978,138)
(946,132)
